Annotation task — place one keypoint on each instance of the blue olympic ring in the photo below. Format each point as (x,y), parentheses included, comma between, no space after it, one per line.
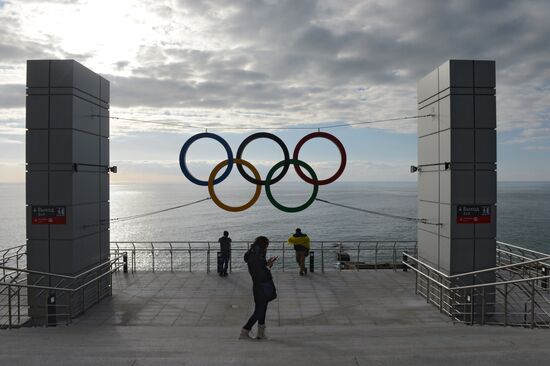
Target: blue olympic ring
(186,146)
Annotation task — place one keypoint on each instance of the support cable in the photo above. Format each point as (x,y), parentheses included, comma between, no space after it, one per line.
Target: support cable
(397,217)
(186,125)
(126,218)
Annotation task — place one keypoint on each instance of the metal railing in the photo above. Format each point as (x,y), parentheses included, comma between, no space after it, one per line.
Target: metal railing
(515,292)
(324,255)
(12,257)
(50,299)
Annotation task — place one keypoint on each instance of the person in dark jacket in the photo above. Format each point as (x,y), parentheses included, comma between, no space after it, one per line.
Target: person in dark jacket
(225,251)
(263,287)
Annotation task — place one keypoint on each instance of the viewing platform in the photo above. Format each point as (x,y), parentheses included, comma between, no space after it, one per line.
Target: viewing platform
(335,318)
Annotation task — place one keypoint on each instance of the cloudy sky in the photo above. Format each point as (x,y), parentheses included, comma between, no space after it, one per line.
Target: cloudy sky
(259,63)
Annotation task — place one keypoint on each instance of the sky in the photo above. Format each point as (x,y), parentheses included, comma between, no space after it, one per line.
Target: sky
(265,64)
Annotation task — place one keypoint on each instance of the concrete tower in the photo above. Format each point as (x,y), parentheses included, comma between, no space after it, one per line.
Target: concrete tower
(457,166)
(67,179)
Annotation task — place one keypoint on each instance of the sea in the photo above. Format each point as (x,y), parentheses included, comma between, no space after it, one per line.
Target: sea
(523,213)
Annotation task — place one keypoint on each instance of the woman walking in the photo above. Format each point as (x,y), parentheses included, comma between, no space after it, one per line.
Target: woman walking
(263,287)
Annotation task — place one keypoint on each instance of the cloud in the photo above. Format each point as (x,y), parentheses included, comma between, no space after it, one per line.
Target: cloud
(13,95)
(263,63)
(9,141)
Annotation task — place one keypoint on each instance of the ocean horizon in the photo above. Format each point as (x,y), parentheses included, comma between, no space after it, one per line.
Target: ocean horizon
(522,213)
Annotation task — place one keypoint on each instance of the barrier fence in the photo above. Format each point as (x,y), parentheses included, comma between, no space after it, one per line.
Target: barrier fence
(324,255)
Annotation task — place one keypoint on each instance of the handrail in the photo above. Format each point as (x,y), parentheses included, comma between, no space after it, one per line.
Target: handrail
(271,240)
(500,267)
(425,275)
(519,256)
(521,248)
(501,283)
(4,259)
(62,275)
(12,248)
(449,277)
(425,265)
(68,290)
(468,286)
(14,284)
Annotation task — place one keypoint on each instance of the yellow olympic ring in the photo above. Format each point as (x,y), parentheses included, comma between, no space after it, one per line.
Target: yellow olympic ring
(215,198)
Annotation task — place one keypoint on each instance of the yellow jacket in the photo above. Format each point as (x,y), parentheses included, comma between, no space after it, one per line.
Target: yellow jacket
(299,240)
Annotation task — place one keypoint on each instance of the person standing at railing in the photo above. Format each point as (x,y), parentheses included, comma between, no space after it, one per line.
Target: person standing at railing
(263,287)
(301,244)
(225,253)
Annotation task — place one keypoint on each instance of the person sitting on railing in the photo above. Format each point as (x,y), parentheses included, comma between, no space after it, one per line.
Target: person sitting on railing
(263,287)
(225,251)
(301,244)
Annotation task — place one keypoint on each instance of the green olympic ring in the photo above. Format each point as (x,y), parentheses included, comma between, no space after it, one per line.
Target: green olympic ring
(268,186)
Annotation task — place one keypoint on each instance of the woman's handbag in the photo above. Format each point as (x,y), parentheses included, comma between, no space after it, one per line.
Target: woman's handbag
(269,290)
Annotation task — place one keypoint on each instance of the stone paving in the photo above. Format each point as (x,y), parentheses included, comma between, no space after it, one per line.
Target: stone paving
(381,297)
(338,318)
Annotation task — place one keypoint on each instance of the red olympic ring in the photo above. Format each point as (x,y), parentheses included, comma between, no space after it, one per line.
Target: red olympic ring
(338,144)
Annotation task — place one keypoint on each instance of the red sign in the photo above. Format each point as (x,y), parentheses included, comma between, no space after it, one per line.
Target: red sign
(473,214)
(45,215)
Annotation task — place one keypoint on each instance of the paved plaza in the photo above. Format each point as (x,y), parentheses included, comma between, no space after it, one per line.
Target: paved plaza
(336,318)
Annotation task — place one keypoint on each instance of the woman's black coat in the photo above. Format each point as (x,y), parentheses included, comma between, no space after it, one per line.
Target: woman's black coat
(257,267)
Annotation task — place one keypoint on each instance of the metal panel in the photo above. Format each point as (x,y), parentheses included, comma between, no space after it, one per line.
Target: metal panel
(37,188)
(484,250)
(104,122)
(430,212)
(37,73)
(37,250)
(428,86)
(456,73)
(104,187)
(484,72)
(486,187)
(486,146)
(450,228)
(487,230)
(462,255)
(445,187)
(68,111)
(37,111)
(104,151)
(61,143)
(458,109)
(86,187)
(104,216)
(61,188)
(428,247)
(105,89)
(35,232)
(462,187)
(462,146)
(69,73)
(62,258)
(105,245)
(36,146)
(428,125)
(86,148)
(428,149)
(428,186)
(486,111)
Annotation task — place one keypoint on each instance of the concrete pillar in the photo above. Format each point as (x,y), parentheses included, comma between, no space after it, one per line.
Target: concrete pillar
(457,166)
(67,182)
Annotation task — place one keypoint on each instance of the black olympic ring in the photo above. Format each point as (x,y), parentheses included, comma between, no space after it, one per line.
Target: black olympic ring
(266,135)
(285,164)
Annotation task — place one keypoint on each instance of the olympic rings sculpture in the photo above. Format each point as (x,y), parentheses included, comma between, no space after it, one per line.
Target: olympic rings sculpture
(256,179)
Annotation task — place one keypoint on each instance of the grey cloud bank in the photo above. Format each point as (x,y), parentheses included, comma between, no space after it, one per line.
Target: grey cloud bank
(270,63)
